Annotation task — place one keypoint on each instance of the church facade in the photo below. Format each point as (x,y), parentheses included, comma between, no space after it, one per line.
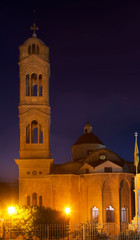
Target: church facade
(96,185)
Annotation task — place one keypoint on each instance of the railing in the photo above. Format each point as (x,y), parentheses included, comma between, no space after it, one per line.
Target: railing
(86,231)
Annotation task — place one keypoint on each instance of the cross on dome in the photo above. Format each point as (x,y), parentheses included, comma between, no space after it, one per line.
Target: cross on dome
(34,28)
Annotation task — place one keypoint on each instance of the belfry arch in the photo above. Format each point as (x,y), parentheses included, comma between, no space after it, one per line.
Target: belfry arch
(34,132)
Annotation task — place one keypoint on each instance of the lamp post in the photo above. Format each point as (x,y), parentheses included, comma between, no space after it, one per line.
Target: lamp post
(67,212)
(11,212)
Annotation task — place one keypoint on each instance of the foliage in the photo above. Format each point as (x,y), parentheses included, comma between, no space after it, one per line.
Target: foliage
(22,219)
(130,235)
(89,230)
(45,216)
(25,219)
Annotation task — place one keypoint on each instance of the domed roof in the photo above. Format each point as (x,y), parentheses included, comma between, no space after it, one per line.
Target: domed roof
(88,136)
(34,39)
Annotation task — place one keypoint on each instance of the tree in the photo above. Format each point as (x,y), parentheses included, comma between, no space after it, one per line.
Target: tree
(22,219)
(37,221)
(26,218)
(44,215)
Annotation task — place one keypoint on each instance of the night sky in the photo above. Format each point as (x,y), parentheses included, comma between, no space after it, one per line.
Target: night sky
(95,73)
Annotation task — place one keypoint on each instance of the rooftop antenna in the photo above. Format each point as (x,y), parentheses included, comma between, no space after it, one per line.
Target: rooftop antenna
(34,27)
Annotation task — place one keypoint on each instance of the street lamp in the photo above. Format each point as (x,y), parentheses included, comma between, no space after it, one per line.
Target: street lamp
(67,211)
(11,210)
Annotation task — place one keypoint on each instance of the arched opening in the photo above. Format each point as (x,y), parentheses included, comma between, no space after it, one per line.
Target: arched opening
(110,214)
(29,49)
(27,85)
(28,201)
(34,84)
(108,193)
(40,201)
(34,131)
(95,214)
(33,49)
(40,134)
(124,214)
(40,86)
(34,199)
(124,201)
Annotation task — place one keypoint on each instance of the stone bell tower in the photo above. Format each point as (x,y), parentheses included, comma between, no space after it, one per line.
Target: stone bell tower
(34,113)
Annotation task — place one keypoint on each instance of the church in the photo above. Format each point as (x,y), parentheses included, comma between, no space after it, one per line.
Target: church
(97,185)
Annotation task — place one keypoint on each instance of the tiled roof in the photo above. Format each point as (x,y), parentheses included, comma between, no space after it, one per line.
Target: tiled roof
(66,168)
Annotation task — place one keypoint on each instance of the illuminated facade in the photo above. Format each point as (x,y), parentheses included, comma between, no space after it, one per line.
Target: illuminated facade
(97,185)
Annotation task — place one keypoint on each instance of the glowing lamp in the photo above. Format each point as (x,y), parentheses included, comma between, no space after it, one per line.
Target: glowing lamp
(67,210)
(11,210)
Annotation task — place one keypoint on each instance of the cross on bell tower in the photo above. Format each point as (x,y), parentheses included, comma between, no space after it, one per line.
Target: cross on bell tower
(34,28)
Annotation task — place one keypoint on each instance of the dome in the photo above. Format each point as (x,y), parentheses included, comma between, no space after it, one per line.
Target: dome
(86,144)
(88,138)
(34,47)
(34,39)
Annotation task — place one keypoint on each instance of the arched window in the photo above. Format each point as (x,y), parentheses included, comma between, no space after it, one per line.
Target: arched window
(28,201)
(40,85)
(29,49)
(95,214)
(34,131)
(27,85)
(33,49)
(34,84)
(34,199)
(40,134)
(124,214)
(110,214)
(40,201)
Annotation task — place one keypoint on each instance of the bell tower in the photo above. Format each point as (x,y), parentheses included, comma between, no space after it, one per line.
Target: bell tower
(34,110)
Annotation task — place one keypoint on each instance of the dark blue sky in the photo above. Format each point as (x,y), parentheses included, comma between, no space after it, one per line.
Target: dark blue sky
(95,73)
